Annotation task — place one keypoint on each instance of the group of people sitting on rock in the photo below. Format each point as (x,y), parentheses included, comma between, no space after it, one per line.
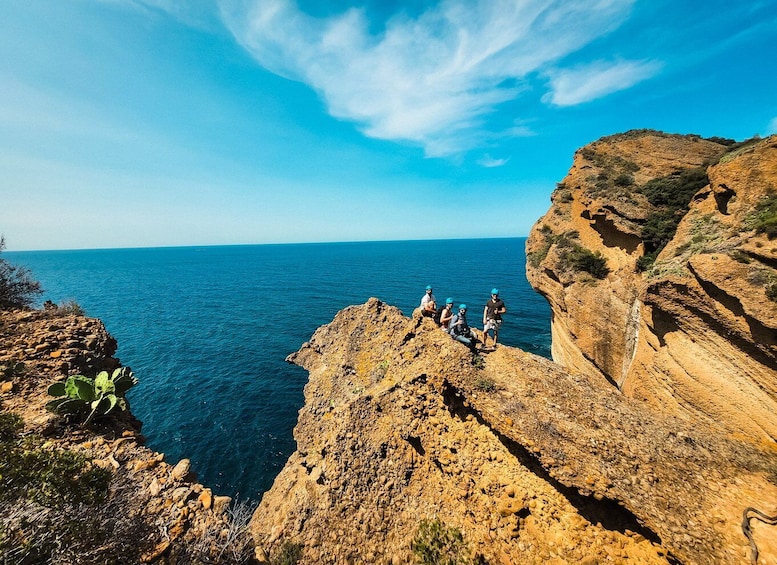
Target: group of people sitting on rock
(456,323)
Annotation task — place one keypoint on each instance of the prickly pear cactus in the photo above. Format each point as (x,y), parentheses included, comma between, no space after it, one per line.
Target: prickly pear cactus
(96,397)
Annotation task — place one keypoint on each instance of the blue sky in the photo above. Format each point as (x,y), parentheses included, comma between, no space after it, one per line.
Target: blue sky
(134,123)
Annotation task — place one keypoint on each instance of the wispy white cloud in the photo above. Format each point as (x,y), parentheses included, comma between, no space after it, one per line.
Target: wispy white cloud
(583,84)
(429,80)
(772,127)
(489,162)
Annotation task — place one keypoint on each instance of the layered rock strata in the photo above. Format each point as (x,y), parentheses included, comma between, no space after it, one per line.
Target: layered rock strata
(695,333)
(531,463)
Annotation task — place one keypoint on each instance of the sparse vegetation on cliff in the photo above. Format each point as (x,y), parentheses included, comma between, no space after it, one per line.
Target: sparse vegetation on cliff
(735,149)
(17,287)
(290,554)
(670,197)
(764,218)
(584,260)
(438,544)
(30,470)
(50,499)
(615,173)
(571,255)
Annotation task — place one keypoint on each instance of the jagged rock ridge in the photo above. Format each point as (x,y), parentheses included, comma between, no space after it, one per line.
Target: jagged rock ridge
(531,463)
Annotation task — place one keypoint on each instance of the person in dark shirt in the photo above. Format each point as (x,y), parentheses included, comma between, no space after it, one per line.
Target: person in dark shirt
(492,316)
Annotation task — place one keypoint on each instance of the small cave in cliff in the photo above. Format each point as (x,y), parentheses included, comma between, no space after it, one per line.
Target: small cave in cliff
(722,197)
(611,235)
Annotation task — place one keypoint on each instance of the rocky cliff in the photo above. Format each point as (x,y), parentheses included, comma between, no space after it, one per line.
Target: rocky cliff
(510,457)
(151,511)
(683,320)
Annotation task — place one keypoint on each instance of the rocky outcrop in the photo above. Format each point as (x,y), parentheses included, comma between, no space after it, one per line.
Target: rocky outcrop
(529,462)
(695,333)
(154,512)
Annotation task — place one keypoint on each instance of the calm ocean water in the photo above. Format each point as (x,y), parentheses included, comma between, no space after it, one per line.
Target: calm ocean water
(207,329)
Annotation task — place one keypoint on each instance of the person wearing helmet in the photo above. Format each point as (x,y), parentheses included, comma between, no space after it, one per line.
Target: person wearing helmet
(446,314)
(459,329)
(492,316)
(428,303)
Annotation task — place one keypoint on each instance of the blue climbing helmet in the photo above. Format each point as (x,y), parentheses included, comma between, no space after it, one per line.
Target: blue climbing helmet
(449,301)
(495,291)
(462,306)
(428,287)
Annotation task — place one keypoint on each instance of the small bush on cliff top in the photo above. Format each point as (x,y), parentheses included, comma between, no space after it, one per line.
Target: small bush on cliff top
(438,544)
(17,287)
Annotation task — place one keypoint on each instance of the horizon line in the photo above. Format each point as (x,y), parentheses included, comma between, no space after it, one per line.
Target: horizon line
(188,246)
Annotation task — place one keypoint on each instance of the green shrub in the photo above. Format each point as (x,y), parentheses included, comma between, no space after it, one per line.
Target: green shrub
(17,287)
(645,262)
(676,190)
(764,218)
(580,259)
(721,140)
(670,196)
(590,262)
(290,554)
(97,397)
(30,471)
(70,307)
(740,256)
(437,544)
(485,384)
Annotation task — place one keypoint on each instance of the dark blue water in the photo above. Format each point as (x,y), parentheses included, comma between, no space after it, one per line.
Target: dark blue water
(207,329)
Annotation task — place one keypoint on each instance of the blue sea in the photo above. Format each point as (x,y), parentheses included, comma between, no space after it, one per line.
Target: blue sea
(207,329)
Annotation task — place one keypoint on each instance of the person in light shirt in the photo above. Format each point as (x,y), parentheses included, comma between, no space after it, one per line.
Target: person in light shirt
(428,303)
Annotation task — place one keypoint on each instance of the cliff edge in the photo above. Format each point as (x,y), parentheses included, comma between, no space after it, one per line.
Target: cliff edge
(54,506)
(517,459)
(658,260)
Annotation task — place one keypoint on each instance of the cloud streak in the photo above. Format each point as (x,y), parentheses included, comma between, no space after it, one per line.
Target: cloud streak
(432,80)
(771,129)
(490,162)
(570,87)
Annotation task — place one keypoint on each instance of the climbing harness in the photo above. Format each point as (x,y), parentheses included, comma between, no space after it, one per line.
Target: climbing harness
(771,520)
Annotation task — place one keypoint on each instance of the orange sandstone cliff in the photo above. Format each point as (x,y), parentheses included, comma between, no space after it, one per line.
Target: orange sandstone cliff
(694,334)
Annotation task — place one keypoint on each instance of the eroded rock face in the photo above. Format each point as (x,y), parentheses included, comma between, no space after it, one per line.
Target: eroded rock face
(695,334)
(532,464)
